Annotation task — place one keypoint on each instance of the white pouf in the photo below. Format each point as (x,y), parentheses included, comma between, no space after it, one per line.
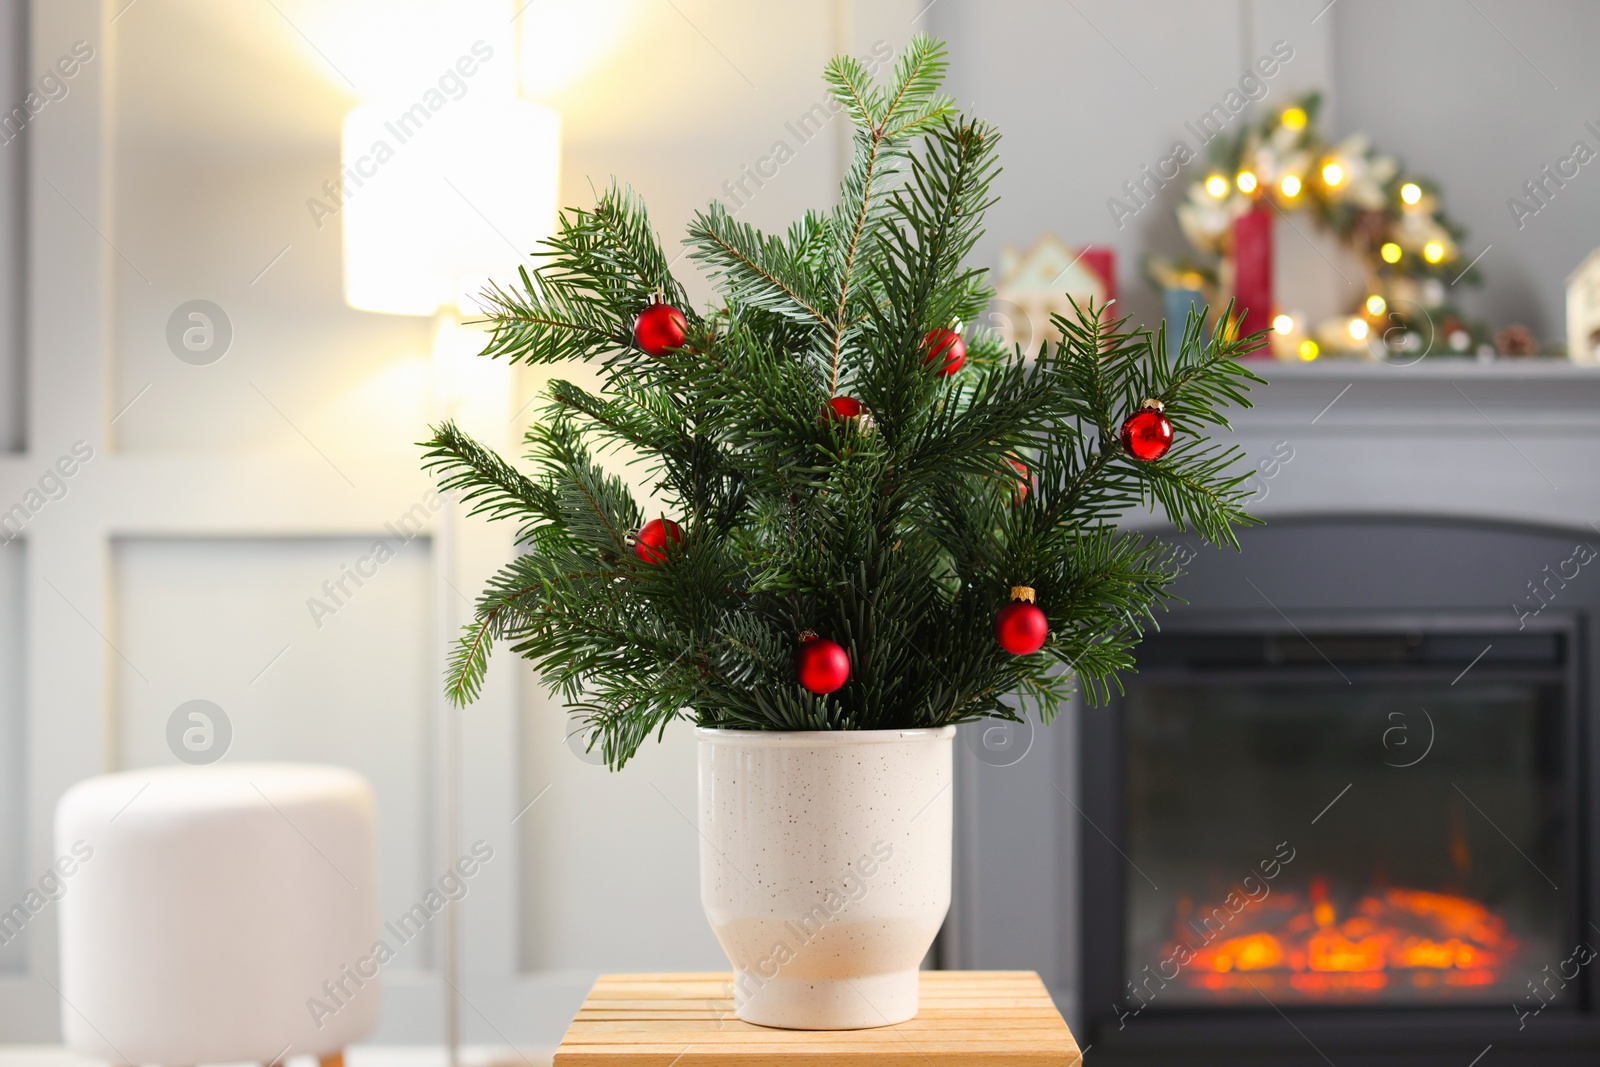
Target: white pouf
(211,909)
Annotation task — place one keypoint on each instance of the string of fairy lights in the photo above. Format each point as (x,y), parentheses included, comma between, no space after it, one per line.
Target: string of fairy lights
(1393,222)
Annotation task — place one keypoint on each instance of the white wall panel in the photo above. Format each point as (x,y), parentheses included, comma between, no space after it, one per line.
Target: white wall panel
(213,175)
(610,861)
(13,745)
(227,621)
(299,362)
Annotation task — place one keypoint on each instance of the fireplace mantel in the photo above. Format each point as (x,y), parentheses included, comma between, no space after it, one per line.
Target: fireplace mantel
(1515,442)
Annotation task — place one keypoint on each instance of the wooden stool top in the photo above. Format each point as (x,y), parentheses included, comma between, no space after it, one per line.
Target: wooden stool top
(966,1019)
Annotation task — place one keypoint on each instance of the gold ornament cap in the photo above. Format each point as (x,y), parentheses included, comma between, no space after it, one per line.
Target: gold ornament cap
(1152,404)
(1023,593)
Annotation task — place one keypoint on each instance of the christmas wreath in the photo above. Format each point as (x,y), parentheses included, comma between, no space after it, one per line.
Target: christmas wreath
(1393,220)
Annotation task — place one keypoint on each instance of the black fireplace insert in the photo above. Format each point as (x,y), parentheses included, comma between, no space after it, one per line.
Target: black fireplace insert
(1369,826)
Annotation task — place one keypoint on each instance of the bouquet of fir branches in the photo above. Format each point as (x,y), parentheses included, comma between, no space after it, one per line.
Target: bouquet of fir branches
(855,484)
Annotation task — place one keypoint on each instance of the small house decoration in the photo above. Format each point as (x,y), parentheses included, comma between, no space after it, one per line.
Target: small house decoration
(1038,283)
(1583,311)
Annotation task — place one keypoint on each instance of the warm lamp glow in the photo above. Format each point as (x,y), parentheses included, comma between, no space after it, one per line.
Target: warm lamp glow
(436,204)
(1390,252)
(1376,305)
(587,32)
(1358,329)
(1332,174)
(1433,251)
(1283,324)
(1411,192)
(381,50)
(1246,182)
(1217,186)
(1290,185)
(474,390)
(1295,118)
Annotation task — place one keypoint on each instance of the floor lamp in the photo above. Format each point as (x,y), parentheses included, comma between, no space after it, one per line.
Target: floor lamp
(434,205)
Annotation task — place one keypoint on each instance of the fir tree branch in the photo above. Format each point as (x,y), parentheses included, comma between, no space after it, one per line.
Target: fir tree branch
(913,104)
(488,483)
(751,267)
(596,273)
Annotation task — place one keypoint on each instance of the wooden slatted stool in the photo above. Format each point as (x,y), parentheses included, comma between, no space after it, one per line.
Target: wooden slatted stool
(967,1019)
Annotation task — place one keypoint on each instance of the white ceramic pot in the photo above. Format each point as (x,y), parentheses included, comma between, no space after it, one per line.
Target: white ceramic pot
(825,869)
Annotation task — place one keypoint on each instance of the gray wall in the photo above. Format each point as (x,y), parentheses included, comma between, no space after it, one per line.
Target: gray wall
(14,76)
(1470,104)
(1088,92)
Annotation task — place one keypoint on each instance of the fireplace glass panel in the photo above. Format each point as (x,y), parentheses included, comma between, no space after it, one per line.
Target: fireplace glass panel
(1414,828)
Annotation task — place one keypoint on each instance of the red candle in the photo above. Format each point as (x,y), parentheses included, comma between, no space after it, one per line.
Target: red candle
(1102,262)
(1252,272)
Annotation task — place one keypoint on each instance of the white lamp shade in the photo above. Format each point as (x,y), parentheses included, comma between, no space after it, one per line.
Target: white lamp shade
(437,203)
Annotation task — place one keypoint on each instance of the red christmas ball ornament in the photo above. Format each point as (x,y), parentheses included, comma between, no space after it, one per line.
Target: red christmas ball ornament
(1147,434)
(659,329)
(650,544)
(848,412)
(946,348)
(843,408)
(821,665)
(1021,627)
(1022,483)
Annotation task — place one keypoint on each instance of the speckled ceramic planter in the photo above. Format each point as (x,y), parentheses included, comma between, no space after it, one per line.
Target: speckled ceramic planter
(825,869)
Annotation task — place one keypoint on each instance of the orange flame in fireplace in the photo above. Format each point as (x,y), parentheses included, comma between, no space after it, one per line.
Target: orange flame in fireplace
(1409,935)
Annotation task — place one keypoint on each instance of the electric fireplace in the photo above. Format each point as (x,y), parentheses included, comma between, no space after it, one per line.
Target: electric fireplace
(1438,889)
(1367,825)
